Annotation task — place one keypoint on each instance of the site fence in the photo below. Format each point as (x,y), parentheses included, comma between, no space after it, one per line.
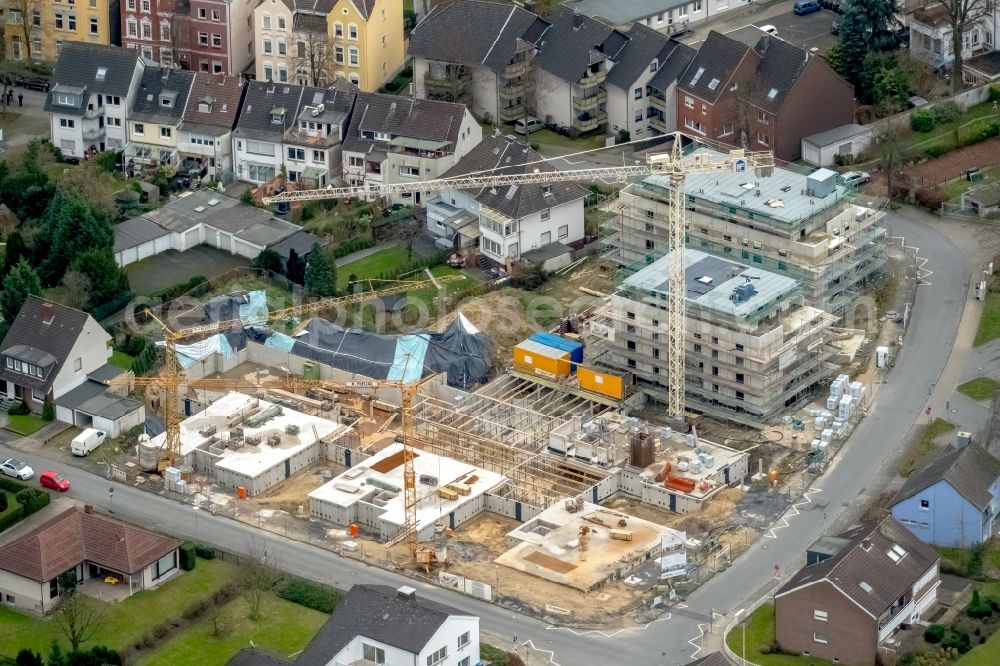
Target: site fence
(748,611)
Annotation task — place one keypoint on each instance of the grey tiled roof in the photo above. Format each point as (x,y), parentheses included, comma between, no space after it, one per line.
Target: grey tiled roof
(402,116)
(136,231)
(574,42)
(309,22)
(674,59)
(711,659)
(364,7)
(78,64)
(499,155)
(223,94)
(970,470)
(55,338)
(718,57)
(780,65)
(379,613)
(93,398)
(155,83)
(863,569)
(644,45)
(475,32)
(263,97)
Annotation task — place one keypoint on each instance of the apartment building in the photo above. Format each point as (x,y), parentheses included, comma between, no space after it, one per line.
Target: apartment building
(401,139)
(753,347)
(670,17)
(40,35)
(93,89)
(807,227)
(204,144)
(155,119)
(212,36)
(313,42)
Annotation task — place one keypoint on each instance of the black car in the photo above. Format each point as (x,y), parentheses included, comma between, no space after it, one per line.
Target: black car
(34,83)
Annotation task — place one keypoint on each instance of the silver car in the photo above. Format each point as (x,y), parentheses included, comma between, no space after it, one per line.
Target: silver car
(854,178)
(17,468)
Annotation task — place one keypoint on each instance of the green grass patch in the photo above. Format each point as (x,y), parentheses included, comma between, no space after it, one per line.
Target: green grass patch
(760,638)
(12,508)
(980,388)
(924,445)
(127,622)
(547,137)
(121,360)
(989,322)
(494,655)
(28,424)
(283,628)
(373,265)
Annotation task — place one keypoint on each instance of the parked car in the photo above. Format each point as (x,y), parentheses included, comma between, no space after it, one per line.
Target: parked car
(87,441)
(16,468)
(854,178)
(769,29)
(33,82)
(528,125)
(53,480)
(803,7)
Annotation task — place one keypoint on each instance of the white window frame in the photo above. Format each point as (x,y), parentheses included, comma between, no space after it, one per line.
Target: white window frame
(820,616)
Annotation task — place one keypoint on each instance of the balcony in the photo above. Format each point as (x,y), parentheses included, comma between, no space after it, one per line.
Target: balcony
(450,79)
(591,101)
(307,138)
(658,103)
(591,123)
(516,69)
(93,114)
(657,123)
(93,135)
(593,78)
(512,89)
(509,114)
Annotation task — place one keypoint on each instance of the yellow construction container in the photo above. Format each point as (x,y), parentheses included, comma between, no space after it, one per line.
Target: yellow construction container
(447,493)
(534,358)
(603,383)
(621,535)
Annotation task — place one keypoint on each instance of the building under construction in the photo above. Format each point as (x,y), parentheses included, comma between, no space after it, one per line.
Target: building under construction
(753,348)
(805,226)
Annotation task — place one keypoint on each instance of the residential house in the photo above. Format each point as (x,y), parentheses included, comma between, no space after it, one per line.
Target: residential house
(930,34)
(863,586)
(204,144)
(155,120)
(479,54)
(53,24)
(293,129)
(50,351)
(93,88)
(315,41)
(661,91)
(376,624)
(763,97)
(671,17)
(953,499)
(401,139)
(212,36)
(89,545)
(711,659)
(513,219)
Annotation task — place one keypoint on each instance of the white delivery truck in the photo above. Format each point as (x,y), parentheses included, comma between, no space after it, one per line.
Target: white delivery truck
(87,441)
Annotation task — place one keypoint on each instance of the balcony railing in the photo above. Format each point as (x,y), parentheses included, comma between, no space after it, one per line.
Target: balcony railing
(304,138)
(95,134)
(591,101)
(591,123)
(513,89)
(593,78)
(658,103)
(510,114)
(449,80)
(516,68)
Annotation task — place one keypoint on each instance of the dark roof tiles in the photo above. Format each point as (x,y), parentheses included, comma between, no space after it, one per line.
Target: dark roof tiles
(162,96)
(568,46)
(970,470)
(215,100)
(56,337)
(80,65)
(403,116)
(713,66)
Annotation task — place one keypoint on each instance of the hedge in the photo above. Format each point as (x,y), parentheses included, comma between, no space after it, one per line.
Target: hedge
(204,552)
(316,596)
(352,245)
(178,289)
(14,515)
(188,559)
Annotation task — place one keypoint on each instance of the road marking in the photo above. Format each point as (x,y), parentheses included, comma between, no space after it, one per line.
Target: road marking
(701,634)
(920,262)
(782,522)
(552,655)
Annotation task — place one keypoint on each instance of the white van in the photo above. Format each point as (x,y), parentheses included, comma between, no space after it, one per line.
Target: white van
(528,125)
(87,441)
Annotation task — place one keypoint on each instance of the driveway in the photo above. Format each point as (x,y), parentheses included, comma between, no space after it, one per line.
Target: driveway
(807,32)
(172,267)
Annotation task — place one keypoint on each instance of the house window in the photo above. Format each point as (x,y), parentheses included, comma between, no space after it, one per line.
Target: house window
(93,26)
(165,564)
(78,364)
(166,133)
(375,655)
(59,21)
(53,588)
(545,238)
(352,31)
(925,505)
(266,21)
(267,46)
(145,5)
(638,93)
(68,123)
(819,615)
(131,5)
(131,28)
(409,171)
(545,214)
(216,40)
(282,74)
(639,116)
(463,640)
(762,139)
(281,23)
(296,153)
(282,47)
(352,54)
(563,231)
(819,638)
(338,55)
(203,40)
(689,102)
(217,15)
(338,29)
(762,117)
(467,660)
(147,29)
(727,129)
(438,656)
(165,31)
(138,128)
(202,13)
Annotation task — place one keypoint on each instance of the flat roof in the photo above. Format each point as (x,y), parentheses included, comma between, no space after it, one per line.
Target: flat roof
(385,469)
(620,12)
(135,232)
(836,134)
(782,198)
(93,398)
(253,461)
(712,282)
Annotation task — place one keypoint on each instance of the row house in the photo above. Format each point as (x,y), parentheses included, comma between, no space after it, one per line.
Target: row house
(400,139)
(762,97)
(155,118)
(212,36)
(292,130)
(204,144)
(36,31)
(931,40)
(313,42)
(93,89)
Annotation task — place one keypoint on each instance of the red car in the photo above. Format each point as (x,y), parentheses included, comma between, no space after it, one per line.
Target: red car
(54,480)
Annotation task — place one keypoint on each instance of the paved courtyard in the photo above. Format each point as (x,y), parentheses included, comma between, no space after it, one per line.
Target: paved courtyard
(174,267)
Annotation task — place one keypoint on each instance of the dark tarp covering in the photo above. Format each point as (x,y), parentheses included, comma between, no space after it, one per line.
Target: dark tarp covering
(360,352)
(462,353)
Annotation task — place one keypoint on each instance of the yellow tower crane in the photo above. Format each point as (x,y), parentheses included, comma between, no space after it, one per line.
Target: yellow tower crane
(676,165)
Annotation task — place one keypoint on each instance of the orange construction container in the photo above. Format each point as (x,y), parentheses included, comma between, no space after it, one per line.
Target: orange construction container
(662,474)
(534,358)
(241,492)
(603,383)
(681,483)
(353,529)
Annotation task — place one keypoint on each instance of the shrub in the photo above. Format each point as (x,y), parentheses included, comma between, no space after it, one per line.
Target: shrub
(20,409)
(978,607)
(935,150)
(934,634)
(309,594)
(995,93)
(42,499)
(188,559)
(48,409)
(26,498)
(161,631)
(930,198)
(3,501)
(196,610)
(178,289)
(945,112)
(204,552)
(922,121)
(958,640)
(12,517)
(535,146)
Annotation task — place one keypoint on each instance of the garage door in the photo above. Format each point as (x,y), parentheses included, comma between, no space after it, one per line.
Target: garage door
(145,250)
(190,239)
(245,249)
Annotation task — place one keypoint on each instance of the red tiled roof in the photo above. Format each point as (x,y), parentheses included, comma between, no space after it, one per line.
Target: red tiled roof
(75,536)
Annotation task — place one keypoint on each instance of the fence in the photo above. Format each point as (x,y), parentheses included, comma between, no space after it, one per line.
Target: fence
(733,657)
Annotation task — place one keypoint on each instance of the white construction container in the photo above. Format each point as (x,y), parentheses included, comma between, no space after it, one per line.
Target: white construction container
(831,402)
(836,388)
(814,445)
(690,440)
(825,448)
(855,390)
(826,435)
(820,422)
(881,357)
(846,407)
(696,466)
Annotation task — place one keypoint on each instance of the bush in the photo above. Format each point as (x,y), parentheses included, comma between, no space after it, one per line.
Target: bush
(978,607)
(42,499)
(934,633)
(188,559)
(48,409)
(3,501)
(20,409)
(535,146)
(936,150)
(930,198)
(26,498)
(995,93)
(945,112)
(958,640)
(922,121)
(204,552)
(13,516)
(196,610)
(178,289)
(309,594)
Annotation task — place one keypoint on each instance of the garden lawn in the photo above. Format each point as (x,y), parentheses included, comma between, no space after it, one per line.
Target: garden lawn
(977,115)
(28,424)
(121,360)
(373,265)
(128,621)
(11,503)
(760,634)
(980,388)
(989,323)
(283,628)
(987,654)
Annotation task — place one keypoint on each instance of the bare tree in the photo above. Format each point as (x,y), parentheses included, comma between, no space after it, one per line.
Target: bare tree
(259,574)
(27,9)
(407,231)
(314,57)
(745,99)
(961,14)
(76,289)
(79,617)
(890,148)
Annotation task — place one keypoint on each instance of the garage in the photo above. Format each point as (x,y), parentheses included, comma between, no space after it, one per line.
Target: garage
(91,404)
(137,239)
(846,141)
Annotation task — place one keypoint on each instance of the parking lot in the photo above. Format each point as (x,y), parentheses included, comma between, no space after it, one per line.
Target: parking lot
(806,32)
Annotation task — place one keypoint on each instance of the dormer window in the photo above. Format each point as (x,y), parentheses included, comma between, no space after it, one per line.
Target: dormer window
(383,136)
(65,100)
(204,107)
(101,73)
(166,101)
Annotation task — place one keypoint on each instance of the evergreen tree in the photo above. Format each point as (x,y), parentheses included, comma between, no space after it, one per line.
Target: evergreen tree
(26,657)
(268,260)
(321,273)
(295,268)
(108,282)
(16,250)
(867,25)
(21,282)
(72,227)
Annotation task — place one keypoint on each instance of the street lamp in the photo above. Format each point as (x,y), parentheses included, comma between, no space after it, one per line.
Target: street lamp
(743,612)
(196,509)
(111,498)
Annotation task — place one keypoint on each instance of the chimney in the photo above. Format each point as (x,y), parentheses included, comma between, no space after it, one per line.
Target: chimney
(88,508)
(407,592)
(48,313)
(963,439)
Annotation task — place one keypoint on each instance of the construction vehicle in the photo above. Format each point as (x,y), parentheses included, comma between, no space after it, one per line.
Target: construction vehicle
(675,164)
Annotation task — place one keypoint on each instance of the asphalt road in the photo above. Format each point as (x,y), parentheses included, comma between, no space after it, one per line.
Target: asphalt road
(806,32)
(898,405)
